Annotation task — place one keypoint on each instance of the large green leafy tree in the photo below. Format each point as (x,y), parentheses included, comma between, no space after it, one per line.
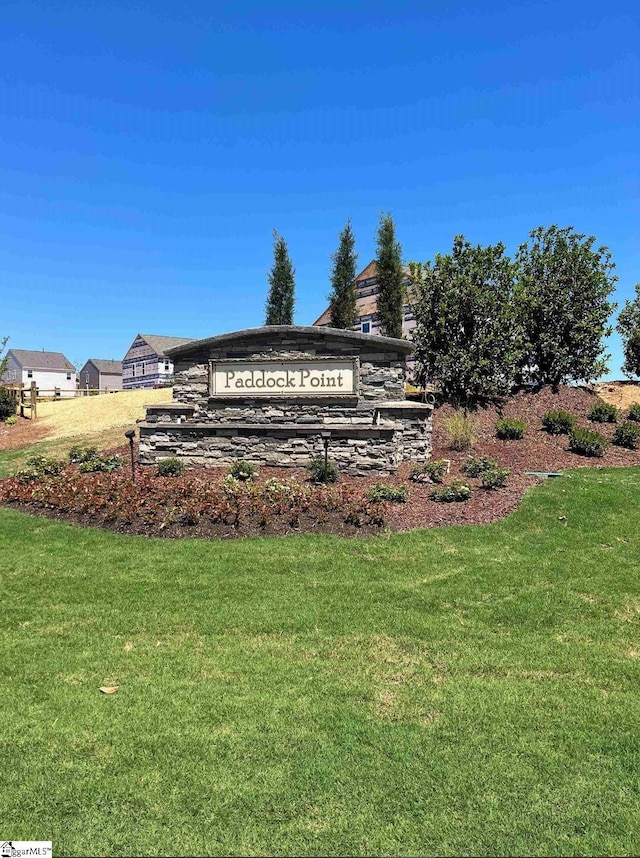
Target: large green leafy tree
(281,298)
(467,336)
(629,329)
(391,296)
(342,299)
(564,290)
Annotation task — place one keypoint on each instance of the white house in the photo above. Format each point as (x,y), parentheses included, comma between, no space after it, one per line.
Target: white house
(51,371)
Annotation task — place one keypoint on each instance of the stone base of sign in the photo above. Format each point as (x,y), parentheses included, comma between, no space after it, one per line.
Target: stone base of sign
(372,429)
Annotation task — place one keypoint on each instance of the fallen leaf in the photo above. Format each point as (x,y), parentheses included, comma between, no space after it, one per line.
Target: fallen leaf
(109,689)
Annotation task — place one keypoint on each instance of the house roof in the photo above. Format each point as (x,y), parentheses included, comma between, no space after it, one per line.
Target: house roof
(108,367)
(28,359)
(366,305)
(275,332)
(161,344)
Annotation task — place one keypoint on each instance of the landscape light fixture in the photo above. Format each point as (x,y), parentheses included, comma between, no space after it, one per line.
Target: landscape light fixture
(131,434)
(326,437)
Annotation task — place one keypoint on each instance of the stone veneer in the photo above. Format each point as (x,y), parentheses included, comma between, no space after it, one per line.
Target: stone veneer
(374,430)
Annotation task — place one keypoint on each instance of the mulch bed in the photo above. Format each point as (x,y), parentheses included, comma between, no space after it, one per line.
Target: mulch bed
(538,451)
(22,433)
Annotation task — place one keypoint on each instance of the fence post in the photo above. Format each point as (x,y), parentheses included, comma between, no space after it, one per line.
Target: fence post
(34,399)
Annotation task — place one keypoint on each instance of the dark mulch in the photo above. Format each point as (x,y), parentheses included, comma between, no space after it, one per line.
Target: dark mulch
(538,451)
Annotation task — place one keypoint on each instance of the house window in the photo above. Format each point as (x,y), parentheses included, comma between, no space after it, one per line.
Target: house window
(366,327)
(166,366)
(68,376)
(29,373)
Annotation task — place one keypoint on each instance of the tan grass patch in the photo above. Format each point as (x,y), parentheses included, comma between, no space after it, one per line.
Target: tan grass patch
(615,393)
(89,415)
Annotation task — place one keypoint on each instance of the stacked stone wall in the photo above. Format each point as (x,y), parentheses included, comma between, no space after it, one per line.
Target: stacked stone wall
(374,430)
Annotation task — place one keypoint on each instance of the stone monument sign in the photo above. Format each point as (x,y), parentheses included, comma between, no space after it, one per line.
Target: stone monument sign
(273,395)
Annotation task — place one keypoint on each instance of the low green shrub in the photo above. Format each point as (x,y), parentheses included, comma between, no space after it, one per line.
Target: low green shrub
(319,472)
(40,466)
(457,490)
(495,478)
(385,492)
(634,412)
(603,412)
(627,435)
(460,431)
(243,471)
(77,455)
(171,467)
(101,465)
(510,429)
(7,404)
(586,442)
(433,471)
(477,465)
(559,422)
(11,421)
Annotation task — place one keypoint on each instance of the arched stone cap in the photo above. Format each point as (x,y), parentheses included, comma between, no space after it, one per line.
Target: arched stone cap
(274,334)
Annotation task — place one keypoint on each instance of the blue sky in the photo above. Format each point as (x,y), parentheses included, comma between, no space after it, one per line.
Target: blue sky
(148,149)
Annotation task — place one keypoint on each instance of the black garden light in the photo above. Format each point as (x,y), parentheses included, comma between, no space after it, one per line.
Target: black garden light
(326,437)
(131,434)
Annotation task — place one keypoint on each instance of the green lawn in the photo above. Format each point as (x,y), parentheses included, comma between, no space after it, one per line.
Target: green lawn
(455,691)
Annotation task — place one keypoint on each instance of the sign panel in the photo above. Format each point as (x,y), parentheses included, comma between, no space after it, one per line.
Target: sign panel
(268,378)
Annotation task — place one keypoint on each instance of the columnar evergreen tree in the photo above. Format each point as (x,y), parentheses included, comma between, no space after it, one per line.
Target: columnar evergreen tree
(564,290)
(467,336)
(342,299)
(281,298)
(391,278)
(629,329)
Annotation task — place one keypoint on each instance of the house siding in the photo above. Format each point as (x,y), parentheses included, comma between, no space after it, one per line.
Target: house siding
(143,368)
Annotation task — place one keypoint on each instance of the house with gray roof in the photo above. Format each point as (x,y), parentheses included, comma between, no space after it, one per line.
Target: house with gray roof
(53,374)
(146,364)
(100,375)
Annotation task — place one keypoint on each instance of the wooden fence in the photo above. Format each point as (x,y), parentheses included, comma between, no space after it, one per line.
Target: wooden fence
(25,398)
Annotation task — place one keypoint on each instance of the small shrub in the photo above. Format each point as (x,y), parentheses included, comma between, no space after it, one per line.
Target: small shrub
(634,412)
(559,422)
(101,465)
(460,432)
(627,435)
(40,466)
(170,467)
(586,442)
(495,478)
(433,471)
(321,473)
(603,412)
(45,465)
(475,466)
(77,455)
(11,421)
(384,492)
(7,404)
(457,490)
(510,430)
(243,471)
